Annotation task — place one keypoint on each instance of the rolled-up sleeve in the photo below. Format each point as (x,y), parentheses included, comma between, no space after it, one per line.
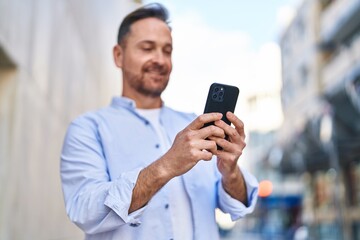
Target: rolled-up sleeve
(94,202)
(234,207)
(119,197)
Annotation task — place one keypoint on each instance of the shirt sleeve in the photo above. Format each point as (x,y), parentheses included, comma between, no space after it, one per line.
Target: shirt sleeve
(234,207)
(119,197)
(94,202)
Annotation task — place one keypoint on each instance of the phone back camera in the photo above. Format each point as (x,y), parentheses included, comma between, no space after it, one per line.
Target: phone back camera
(218,94)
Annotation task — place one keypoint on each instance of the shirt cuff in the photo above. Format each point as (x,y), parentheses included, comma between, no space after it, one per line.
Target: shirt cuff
(119,197)
(235,207)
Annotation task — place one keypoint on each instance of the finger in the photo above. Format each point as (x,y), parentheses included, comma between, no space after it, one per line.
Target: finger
(230,147)
(201,120)
(229,156)
(239,125)
(205,155)
(202,149)
(231,132)
(211,131)
(208,145)
(225,145)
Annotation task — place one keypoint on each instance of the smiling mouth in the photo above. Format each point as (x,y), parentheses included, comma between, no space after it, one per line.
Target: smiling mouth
(158,75)
(157,78)
(156,69)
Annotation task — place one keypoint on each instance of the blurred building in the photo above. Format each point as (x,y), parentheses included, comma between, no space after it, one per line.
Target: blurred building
(55,63)
(319,141)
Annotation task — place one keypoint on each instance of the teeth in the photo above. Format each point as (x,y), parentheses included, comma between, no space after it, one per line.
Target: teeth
(156,72)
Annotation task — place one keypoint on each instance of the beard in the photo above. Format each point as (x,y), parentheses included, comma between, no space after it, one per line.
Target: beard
(152,81)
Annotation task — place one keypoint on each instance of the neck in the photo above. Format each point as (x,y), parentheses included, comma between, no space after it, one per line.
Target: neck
(144,102)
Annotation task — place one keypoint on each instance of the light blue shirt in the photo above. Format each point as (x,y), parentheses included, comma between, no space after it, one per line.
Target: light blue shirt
(103,153)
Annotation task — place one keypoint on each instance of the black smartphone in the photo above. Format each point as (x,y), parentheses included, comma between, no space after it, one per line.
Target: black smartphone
(221,98)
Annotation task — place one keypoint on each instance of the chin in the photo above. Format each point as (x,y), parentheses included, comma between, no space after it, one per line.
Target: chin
(159,83)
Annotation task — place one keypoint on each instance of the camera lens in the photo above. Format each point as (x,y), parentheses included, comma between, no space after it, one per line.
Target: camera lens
(221,93)
(216,89)
(214,96)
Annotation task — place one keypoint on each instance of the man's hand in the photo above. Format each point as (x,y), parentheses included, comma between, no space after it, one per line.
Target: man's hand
(193,144)
(190,146)
(232,148)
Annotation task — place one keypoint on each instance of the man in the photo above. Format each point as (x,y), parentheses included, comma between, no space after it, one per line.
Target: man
(140,170)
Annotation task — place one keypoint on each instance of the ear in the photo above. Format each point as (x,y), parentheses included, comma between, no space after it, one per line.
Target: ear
(118,55)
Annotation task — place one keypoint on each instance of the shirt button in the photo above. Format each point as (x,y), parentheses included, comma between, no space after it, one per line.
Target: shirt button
(166,206)
(134,224)
(157,145)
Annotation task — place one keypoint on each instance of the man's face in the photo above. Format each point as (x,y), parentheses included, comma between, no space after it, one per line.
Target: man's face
(146,60)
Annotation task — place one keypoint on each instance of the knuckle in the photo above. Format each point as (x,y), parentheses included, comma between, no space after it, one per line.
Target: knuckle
(238,152)
(192,153)
(188,135)
(191,144)
(212,128)
(233,133)
(208,157)
(201,118)
(240,149)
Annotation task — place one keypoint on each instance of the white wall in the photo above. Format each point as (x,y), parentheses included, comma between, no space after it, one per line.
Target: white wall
(63,67)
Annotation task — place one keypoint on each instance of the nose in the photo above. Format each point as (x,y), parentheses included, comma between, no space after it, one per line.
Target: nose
(159,58)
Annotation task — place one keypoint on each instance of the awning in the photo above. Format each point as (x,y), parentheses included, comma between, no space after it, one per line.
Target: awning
(305,150)
(346,106)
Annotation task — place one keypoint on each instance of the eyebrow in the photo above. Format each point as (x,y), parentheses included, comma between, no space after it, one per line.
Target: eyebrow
(152,42)
(146,42)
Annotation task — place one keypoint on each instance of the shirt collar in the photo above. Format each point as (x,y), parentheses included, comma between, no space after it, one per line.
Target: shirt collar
(124,102)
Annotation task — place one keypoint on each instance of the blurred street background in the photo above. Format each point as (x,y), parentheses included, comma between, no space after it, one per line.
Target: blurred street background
(297,64)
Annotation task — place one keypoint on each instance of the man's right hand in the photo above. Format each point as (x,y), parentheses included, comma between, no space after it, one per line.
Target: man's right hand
(192,144)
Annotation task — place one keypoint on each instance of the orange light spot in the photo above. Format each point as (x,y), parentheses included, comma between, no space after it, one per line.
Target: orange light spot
(265,188)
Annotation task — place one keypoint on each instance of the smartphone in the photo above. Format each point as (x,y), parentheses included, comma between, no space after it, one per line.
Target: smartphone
(221,98)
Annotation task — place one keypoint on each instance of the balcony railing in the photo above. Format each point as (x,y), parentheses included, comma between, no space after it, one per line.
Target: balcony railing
(341,64)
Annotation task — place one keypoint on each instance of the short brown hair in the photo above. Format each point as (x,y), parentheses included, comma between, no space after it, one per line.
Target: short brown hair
(155,10)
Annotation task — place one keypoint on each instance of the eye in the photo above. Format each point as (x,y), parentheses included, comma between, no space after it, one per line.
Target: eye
(168,50)
(146,49)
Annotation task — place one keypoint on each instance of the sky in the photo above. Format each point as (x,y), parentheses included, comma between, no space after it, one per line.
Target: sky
(233,42)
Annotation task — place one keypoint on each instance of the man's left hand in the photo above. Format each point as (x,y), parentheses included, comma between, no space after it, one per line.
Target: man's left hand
(227,158)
